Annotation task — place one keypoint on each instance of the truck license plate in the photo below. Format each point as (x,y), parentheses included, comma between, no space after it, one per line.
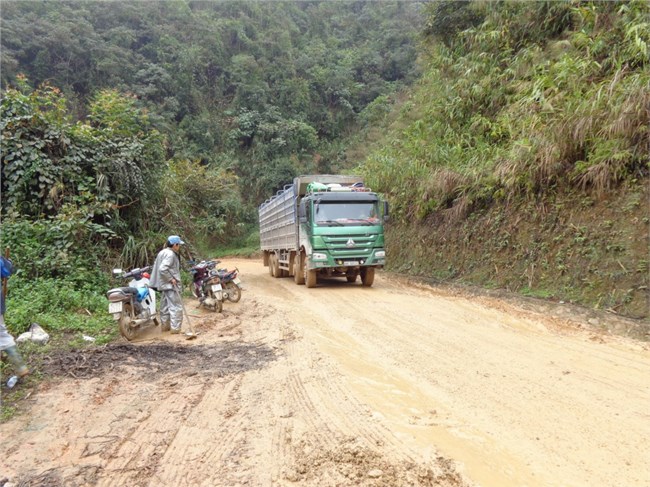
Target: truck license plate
(350,262)
(216,288)
(115,307)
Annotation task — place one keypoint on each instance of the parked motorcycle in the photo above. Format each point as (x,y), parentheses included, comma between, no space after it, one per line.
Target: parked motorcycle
(231,284)
(133,306)
(206,285)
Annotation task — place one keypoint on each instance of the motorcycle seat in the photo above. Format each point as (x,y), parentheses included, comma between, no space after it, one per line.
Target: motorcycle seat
(124,290)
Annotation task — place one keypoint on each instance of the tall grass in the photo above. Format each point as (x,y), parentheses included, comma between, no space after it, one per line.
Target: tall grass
(538,95)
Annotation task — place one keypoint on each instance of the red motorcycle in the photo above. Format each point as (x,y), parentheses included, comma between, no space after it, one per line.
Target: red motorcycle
(206,284)
(231,284)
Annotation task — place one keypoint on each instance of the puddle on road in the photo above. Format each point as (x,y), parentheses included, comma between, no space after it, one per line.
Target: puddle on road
(417,420)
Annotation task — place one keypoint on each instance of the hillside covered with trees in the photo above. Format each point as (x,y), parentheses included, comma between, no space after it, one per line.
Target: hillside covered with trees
(520,159)
(216,105)
(511,138)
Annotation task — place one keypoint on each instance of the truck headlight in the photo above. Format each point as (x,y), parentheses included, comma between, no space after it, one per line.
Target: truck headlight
(380,254)
(317,256)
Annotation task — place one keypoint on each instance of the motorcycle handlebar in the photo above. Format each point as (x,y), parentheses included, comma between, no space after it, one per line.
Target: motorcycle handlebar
(135,272)
(207,264)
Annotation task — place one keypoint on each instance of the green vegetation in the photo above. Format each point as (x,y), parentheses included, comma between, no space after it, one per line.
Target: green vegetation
(130,121)
(124,122)
(514,153)
(521,157)
(527,97)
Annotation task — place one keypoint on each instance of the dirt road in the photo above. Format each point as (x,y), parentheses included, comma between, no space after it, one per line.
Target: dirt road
(339,385)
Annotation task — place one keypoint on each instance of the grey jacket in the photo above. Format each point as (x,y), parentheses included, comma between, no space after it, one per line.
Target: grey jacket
(166,267)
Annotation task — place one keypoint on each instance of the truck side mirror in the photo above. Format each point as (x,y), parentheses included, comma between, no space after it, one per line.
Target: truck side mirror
(386,217)
(302,212)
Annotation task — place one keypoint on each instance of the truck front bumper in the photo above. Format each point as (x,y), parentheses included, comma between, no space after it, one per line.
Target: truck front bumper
(323,260)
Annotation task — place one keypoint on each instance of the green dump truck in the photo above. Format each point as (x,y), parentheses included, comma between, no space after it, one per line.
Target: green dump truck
(324,225)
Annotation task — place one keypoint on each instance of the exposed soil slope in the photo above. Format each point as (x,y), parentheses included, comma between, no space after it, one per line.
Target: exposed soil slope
(565,247)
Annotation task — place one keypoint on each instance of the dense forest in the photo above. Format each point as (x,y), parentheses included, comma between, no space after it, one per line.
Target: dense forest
(511,138)
(189,113)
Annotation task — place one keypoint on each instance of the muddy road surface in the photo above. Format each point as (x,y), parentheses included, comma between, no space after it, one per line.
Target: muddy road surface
(394,385)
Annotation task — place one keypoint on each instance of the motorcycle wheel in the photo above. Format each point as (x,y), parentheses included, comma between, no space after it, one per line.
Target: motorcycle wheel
(195,292)
(126,330)
(217,308)
(234,293)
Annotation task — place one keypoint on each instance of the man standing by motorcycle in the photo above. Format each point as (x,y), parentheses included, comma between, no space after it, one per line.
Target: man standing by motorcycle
(166,278)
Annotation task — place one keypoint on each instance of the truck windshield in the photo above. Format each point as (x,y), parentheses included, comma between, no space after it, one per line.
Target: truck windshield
(346,213)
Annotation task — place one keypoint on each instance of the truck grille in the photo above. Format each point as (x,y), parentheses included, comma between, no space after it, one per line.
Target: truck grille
(340,245)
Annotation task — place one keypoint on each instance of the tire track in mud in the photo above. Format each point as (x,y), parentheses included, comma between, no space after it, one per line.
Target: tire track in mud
(345,416)
(215,446)
(178,426)
(328,437)
(144,445)
(490,370)
(203,447)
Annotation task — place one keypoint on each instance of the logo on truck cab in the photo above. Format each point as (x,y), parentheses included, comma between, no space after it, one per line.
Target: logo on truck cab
(350,243)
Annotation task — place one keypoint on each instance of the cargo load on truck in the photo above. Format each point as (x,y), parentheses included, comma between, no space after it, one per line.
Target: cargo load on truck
(324,226)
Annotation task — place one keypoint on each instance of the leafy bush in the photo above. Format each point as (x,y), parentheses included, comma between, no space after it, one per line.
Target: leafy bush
(202,203)
(55,248)
(60,305)
(102,170)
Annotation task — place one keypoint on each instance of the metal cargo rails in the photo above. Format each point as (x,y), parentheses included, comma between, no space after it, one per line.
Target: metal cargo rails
(301,182)
(277,215)
(278,222)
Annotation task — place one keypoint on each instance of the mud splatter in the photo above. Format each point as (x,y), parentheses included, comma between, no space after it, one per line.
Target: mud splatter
(159,359)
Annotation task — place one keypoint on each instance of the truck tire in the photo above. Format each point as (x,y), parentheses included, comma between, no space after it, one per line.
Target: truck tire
(298,271)
(271,265)
(367,276)
(311,277)
(277,272)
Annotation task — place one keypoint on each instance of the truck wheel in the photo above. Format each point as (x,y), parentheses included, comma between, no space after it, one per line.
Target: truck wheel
(367,276)
(298,271)
(277,272)
(311,277)
(271,265)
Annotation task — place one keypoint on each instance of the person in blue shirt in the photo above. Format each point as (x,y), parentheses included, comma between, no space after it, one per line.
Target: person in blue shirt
(7,342)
